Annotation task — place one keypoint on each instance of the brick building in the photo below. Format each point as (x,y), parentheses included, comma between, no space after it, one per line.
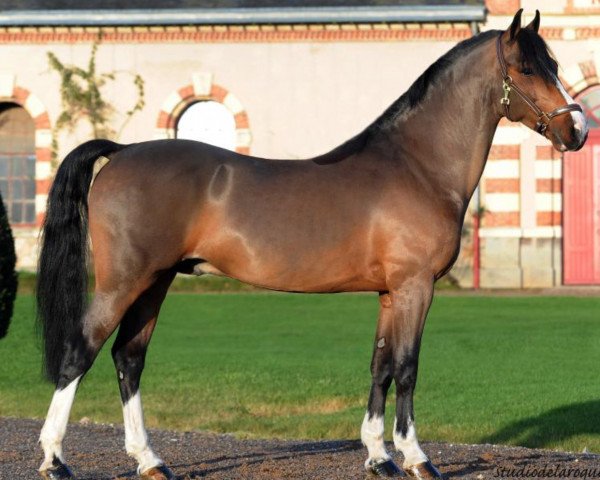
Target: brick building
(294,81)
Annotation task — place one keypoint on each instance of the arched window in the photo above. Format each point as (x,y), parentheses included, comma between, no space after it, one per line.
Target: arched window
(590,100)
(210,122)
(17,163)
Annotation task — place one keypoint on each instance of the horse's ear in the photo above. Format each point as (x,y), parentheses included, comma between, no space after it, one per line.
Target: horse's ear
(515,26)
(535,23)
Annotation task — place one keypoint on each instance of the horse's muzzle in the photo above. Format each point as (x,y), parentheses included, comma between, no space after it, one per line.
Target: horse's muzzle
(570,136)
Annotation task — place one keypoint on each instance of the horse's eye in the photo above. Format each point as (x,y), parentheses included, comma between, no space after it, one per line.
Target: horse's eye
(528,72)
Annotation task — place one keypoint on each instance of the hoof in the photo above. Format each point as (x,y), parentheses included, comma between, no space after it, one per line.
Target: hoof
(384,468)
(424,471)
(157,473)
(58,471)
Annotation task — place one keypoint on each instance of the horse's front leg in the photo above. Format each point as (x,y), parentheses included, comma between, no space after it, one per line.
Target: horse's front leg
(382,368)
(410,304)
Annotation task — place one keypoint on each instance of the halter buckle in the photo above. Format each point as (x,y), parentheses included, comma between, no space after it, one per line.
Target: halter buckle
(542,123)
(540,127)
(505,100)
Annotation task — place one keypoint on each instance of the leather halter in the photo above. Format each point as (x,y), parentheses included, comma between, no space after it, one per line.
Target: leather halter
(508,85)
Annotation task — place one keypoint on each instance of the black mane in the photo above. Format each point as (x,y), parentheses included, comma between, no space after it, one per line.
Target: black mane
(536,54)
(417,91)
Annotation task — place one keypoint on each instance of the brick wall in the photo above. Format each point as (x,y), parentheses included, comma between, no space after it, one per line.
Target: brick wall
(503,7)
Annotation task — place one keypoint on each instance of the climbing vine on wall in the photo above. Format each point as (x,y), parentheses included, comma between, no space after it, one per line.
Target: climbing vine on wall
(82,99)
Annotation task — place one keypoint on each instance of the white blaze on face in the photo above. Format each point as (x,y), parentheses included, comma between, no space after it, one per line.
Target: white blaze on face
(409,446)
(136,439)
(371,434)
(579,120)
(55,426)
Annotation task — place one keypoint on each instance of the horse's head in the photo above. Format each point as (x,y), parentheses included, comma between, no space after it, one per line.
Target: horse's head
(532,92)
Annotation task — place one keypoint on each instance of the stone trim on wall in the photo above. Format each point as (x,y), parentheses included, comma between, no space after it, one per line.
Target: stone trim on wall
(269,33)
(548,183)
(501,180)
(10,92)
(377,32)
(202,88)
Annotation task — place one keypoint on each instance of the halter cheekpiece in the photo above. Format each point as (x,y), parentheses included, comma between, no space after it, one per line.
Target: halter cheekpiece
(508,85)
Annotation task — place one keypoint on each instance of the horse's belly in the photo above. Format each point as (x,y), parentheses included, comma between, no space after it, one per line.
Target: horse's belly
(314,282)
(298,273)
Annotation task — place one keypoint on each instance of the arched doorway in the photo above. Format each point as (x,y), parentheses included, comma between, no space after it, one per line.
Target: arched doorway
(581,201)
(209,122)
(17,163)
(205,99)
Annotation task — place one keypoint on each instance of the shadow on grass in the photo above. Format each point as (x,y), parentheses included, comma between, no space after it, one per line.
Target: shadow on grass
(551,427)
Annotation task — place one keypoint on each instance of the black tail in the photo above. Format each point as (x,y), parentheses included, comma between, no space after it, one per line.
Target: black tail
(8,277)
(62,270)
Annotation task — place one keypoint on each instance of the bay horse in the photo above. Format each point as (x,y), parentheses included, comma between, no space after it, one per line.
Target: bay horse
(383,212)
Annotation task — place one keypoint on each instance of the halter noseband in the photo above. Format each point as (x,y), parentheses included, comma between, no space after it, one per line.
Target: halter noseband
(508,85)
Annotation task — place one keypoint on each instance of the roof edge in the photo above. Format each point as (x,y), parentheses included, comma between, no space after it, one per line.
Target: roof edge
(240,16)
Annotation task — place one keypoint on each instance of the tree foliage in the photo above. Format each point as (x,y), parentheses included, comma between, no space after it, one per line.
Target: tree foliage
(82,99)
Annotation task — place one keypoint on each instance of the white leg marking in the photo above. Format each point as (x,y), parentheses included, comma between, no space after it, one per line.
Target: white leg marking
(579,121)
(136,439)
(409,446)
(371,434)
(55,426)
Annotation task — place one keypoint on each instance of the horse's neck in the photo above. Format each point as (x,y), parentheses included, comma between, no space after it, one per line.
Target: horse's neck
(446,138)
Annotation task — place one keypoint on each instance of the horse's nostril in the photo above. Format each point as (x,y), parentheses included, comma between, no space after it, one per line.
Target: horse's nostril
(578,138)
(583,140)
(575,132)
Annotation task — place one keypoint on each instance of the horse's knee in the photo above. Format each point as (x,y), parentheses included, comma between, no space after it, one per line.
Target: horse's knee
(405,370)
(406,378)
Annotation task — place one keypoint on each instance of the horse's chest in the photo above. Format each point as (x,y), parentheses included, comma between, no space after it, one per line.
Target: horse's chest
(430,241)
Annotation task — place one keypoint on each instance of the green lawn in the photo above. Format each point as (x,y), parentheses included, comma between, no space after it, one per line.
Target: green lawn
(517,370)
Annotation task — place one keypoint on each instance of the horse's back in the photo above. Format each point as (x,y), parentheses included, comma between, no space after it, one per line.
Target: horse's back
(249,217)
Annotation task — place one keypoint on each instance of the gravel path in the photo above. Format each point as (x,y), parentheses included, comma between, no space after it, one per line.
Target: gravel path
(95,452)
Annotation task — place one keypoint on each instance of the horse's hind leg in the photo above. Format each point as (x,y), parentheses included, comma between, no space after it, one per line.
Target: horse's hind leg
(100,320)
(129,351)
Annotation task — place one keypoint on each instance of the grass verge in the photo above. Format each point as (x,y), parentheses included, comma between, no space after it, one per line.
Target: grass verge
(514,370)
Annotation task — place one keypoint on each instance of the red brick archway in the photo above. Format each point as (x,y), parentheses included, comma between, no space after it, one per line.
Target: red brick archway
(202,89)
(43,142)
